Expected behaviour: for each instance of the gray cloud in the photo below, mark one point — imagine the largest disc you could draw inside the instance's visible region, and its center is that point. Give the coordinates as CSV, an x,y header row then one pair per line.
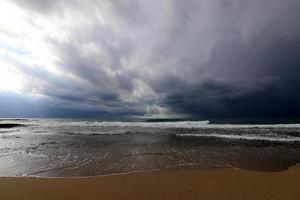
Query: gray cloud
x,y
45,6
217,58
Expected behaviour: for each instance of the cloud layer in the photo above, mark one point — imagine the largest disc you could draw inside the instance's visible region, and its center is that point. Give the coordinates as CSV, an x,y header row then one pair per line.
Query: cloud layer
x,y
216,58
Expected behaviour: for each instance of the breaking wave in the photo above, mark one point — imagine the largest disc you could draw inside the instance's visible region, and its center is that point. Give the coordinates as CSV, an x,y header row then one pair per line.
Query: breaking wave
x,y
244,137
178,124
251,132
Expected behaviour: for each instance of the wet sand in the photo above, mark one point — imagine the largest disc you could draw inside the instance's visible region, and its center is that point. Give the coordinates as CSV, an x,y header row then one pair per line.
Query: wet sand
x,y
186,184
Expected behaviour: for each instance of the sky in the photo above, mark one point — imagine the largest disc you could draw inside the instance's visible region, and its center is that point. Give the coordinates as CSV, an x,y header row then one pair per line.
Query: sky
x,y
150,58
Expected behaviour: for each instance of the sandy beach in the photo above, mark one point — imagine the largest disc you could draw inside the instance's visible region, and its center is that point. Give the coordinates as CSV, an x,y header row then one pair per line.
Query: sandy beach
x,y
186,184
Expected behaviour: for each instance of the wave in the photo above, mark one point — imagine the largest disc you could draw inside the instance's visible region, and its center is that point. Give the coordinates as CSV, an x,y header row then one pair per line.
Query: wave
x,y
244,137
205,124
180,124
260,132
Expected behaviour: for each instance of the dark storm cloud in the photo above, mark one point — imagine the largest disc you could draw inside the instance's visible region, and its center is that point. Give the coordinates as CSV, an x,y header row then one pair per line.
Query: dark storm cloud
x,y
216,58
254,83
245,74
265,98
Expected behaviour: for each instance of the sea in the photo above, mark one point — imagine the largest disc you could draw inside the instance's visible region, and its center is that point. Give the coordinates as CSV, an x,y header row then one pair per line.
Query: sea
x,y
93,147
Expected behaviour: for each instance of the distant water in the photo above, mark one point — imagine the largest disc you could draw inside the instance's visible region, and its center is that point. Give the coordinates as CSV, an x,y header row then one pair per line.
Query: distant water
x,y
68,147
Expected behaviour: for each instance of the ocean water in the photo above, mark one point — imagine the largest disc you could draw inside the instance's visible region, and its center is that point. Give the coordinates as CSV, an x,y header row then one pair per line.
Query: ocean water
x,y
69,147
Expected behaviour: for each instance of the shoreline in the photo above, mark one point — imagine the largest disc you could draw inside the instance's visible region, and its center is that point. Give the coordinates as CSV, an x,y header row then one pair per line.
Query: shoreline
x,y
223,183
152,171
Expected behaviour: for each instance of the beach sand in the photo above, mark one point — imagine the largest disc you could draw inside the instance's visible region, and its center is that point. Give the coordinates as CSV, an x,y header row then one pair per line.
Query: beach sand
x,y
186,184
